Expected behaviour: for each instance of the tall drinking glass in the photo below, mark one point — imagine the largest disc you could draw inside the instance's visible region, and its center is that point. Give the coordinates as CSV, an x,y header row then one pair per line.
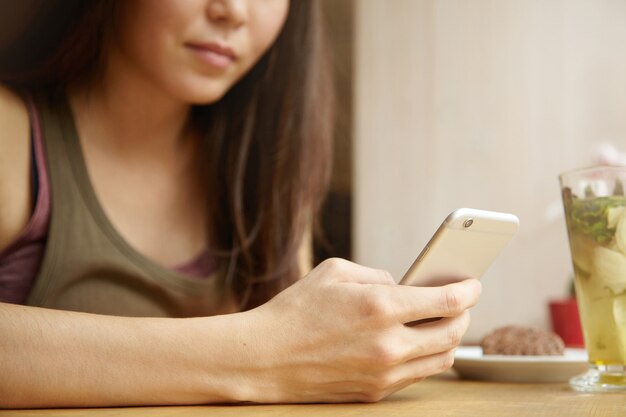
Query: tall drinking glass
x,y
595,209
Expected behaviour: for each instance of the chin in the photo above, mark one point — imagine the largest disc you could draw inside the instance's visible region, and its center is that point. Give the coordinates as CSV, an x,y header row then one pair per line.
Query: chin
x,y
205,99
203,93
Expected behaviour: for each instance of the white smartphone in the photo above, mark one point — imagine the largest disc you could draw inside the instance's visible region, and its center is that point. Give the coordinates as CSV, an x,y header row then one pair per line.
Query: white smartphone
x,y
464,246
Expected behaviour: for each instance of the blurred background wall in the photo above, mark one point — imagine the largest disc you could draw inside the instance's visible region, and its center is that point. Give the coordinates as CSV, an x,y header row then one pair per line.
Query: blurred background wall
x,y
481,104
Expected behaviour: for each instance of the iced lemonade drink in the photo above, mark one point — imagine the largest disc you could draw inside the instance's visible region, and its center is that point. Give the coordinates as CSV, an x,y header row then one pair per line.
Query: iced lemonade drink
x,y
595,210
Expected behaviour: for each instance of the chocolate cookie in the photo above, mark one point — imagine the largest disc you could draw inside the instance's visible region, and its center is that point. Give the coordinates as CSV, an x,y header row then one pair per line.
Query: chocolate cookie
x,y
520,340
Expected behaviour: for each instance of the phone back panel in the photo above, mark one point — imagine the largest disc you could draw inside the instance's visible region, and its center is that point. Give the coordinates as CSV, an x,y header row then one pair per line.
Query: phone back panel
x,y
459,251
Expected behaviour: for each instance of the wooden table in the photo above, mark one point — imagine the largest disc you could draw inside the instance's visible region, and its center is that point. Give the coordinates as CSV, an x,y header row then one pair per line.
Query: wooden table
x,y
438,397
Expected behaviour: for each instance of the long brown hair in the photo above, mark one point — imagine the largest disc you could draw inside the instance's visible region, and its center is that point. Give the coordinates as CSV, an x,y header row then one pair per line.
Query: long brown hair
x,y
267,142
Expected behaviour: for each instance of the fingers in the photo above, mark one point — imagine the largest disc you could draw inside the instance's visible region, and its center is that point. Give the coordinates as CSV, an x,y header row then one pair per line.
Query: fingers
x,y
404,344
376,394
423,367
405,303
435,337
415,303
428,350
386,383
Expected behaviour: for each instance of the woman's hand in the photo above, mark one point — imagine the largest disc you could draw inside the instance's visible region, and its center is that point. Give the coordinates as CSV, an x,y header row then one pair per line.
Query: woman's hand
x,y
340,335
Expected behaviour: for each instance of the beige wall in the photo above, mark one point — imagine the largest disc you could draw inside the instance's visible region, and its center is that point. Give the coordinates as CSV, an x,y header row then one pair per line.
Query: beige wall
x,y
481,104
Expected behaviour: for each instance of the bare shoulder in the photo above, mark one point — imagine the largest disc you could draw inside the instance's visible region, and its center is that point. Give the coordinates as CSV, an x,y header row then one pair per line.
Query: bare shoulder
x,y
13,121
15,200
11,104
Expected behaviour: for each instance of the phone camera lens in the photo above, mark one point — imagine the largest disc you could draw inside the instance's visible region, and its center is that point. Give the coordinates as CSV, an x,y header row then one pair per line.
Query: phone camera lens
x,y
468,222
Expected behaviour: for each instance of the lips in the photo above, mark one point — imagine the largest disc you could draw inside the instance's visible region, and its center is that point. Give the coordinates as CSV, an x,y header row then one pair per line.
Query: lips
x,y
213,54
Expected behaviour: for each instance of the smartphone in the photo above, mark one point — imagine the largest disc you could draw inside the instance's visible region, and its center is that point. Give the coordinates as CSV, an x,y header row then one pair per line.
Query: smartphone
x,y
464,246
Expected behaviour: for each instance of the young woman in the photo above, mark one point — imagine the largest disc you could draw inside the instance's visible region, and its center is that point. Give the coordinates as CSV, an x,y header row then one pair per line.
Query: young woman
x,y
161,164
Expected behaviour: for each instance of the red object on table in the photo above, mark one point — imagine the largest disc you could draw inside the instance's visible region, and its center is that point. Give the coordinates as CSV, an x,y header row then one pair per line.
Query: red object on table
x,y
566,321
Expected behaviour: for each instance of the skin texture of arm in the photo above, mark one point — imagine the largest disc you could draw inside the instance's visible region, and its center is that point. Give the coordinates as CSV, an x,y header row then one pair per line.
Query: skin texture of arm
x,y
57,358
354,347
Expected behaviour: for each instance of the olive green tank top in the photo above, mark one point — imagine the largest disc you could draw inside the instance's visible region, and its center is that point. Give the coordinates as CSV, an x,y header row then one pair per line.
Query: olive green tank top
x,y
87,265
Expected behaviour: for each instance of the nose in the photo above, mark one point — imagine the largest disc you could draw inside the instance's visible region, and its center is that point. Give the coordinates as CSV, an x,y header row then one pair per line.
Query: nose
x,y
233,12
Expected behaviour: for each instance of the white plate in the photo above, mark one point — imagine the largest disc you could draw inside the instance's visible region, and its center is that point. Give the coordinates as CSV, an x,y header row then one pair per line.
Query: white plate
x,y
470,363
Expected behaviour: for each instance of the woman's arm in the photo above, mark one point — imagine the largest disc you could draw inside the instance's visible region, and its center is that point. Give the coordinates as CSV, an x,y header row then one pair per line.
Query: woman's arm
x,y
336,335
52,358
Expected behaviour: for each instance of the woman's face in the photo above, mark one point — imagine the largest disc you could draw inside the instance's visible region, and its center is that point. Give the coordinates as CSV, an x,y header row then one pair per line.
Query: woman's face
x,y
196,50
